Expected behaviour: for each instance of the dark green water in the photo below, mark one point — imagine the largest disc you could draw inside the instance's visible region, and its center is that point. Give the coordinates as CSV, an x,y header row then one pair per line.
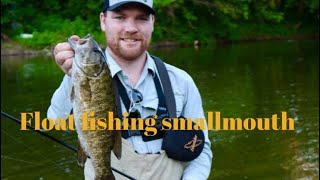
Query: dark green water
x,y
242,80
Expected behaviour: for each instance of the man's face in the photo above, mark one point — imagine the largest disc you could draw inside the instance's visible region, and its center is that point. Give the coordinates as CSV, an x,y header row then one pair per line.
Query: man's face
x,y
128,30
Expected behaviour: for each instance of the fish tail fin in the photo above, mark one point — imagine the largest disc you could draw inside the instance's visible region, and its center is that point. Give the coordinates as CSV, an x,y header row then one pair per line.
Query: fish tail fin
x,y
117,147
81,155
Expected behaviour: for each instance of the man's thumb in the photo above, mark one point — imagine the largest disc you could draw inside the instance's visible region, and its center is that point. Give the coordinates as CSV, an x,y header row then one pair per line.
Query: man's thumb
x,y
75,37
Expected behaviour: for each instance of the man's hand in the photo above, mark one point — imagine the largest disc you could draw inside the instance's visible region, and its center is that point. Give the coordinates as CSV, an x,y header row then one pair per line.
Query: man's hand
x,y
64,55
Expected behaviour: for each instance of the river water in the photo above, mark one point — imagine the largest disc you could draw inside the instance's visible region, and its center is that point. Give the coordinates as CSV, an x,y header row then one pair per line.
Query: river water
x,y
255,80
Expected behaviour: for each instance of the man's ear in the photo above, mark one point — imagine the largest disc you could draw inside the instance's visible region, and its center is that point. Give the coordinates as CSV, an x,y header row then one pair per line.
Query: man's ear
x,y
153,19
102,21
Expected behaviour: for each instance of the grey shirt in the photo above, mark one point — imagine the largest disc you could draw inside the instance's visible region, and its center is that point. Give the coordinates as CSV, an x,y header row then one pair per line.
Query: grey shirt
x,y
188,104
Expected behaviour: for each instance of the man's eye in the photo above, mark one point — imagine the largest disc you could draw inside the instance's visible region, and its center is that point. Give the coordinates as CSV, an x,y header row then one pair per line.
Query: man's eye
x,y
143,19
119,17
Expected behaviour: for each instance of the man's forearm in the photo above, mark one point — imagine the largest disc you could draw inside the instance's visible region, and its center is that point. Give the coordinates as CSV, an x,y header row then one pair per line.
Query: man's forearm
x,y
200,167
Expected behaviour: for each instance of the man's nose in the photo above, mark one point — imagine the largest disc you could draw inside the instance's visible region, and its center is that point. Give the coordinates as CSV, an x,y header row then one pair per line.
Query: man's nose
x,y
131,26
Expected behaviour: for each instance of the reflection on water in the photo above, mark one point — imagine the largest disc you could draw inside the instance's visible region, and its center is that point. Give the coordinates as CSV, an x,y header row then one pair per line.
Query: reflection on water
x,y
241,80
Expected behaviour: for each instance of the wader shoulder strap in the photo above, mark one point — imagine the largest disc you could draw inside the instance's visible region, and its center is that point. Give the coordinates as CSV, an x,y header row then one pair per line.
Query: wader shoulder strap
x,y
115,86
167,88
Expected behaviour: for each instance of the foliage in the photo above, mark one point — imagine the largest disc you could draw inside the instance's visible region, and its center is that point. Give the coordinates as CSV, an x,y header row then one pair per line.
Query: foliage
x,y
176,20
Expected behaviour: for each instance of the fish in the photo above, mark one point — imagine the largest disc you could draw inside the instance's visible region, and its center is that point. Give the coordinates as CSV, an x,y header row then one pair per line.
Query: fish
x,y
92,92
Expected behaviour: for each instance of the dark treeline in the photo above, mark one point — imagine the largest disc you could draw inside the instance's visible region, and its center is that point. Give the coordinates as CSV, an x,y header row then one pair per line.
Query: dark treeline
x,y
176,20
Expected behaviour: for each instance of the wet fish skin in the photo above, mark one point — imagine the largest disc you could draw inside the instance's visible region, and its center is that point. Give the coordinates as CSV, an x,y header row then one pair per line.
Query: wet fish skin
x,y
92,92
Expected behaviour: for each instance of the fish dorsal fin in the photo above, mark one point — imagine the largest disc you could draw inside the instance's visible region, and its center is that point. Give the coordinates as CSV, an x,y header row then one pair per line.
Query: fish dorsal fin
x,y
117,146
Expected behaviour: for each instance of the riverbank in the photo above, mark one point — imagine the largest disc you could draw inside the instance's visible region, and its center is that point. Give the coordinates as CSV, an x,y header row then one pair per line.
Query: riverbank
x,y
18,50
12,48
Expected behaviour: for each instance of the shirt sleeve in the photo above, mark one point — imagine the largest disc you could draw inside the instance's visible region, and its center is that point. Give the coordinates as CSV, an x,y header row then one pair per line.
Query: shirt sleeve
x,y
200,167
61,105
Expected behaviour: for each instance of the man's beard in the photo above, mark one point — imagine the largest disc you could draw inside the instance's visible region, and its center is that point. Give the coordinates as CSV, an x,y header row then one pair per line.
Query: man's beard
x,y
127,53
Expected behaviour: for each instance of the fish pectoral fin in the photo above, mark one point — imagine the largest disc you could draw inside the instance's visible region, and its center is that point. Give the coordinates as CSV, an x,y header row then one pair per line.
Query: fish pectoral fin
x,y
117,146
85,91
81,155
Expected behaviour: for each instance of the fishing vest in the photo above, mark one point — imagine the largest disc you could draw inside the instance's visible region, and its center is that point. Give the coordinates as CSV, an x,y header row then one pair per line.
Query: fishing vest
x,y
166,106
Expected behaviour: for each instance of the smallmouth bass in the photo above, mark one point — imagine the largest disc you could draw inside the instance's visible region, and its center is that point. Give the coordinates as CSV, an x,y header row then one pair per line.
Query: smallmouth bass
x,y
92,92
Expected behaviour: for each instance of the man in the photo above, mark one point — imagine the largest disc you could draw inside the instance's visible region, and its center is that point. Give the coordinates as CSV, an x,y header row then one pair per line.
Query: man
x,y
128,26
